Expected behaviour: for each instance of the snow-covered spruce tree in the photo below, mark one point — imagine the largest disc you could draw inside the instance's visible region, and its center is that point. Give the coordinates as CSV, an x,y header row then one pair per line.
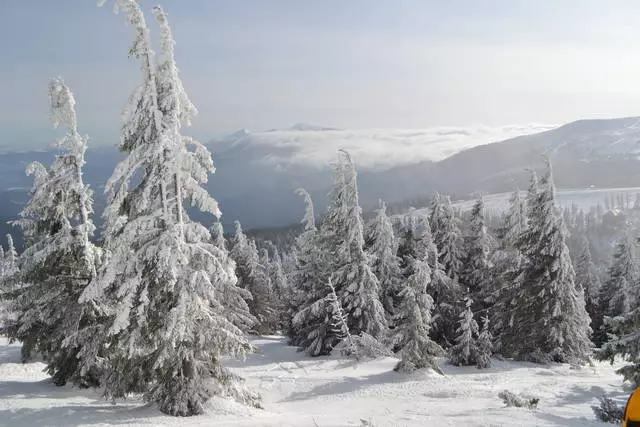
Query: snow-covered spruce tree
x,y
445,294
289,262
217,234
624,342
281,290
484,345
615,297
357,287
588,281
339,250
425,245
447,237
2,262
550,322
507,262
620,332
436,214
310,324
465,351
304,271
515,220
567,218
240,253
413,322
168,329
443,290
382,247
476,267
9,285
59,260
510,263
333,231
408,238
234,298
266,303
533,192
446,289
10,257
7,316
357,347
277,274
339,323
252,276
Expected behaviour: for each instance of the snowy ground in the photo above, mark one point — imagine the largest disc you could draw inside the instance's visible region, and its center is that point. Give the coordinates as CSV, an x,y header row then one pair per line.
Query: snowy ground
x,y
302,391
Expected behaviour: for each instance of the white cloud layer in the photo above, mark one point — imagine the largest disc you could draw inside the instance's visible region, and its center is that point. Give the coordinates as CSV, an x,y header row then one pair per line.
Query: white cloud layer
x,y
376,148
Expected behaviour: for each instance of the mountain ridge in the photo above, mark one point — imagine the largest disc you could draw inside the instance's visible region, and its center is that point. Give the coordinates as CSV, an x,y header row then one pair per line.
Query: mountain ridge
x,y
255,179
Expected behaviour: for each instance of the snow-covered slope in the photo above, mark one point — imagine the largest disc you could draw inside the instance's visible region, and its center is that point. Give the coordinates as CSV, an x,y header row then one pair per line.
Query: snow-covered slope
x,y
591,139
300,391
316,146
583,198
603,153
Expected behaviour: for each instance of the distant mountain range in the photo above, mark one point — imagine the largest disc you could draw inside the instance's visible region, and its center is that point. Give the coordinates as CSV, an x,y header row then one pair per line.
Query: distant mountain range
x,y
257,172
599,153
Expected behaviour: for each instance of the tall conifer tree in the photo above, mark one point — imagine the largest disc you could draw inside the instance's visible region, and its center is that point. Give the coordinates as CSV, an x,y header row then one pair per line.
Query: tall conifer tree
x,y
165,277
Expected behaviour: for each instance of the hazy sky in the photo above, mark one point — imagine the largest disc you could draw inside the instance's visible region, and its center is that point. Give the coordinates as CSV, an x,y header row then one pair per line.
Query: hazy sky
x,y
358,63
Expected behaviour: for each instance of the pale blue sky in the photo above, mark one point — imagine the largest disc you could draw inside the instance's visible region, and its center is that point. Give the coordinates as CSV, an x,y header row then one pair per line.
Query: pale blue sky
x,y
359,63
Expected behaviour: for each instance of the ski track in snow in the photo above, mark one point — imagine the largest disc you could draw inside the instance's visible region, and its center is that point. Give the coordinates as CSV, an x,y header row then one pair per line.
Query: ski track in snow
x,y
327,392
